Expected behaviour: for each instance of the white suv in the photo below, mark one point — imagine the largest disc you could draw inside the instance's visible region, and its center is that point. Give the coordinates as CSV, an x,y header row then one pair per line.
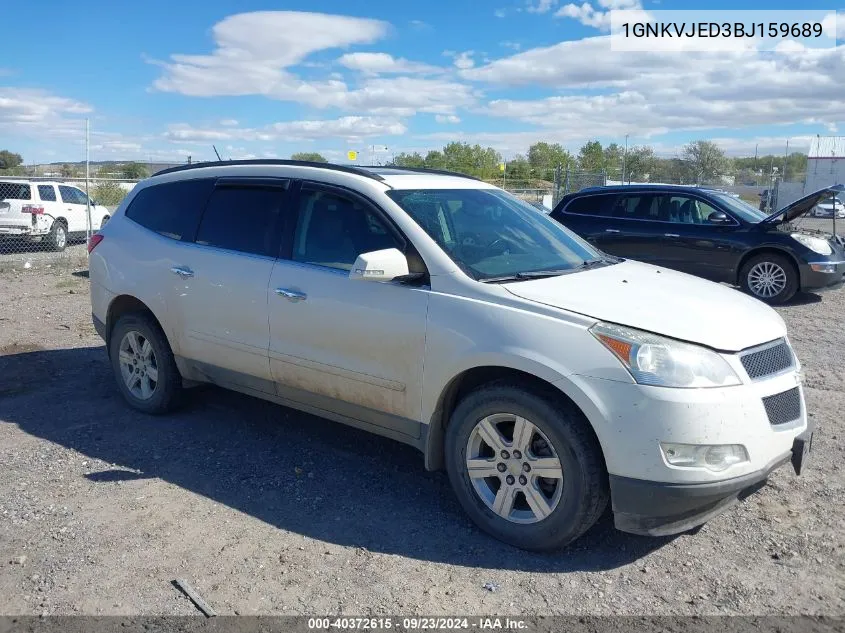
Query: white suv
x,y
52,211
546,376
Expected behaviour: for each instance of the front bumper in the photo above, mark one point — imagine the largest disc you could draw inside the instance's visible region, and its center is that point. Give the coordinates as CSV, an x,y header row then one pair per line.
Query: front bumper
x,y
818,281
659,509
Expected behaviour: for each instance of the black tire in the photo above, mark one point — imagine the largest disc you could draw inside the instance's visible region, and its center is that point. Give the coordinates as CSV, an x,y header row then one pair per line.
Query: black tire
x,y
783,263
58,237
585,487
168,389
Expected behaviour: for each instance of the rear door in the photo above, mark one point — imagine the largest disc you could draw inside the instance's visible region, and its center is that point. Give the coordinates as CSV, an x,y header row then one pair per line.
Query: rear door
x,y
633,230
219,281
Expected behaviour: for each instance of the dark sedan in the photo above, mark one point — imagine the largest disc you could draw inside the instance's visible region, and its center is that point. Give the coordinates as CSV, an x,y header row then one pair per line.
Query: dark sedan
x,y
710,234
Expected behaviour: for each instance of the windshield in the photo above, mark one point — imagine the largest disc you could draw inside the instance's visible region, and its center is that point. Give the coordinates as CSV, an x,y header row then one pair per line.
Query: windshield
x,y
741,208
491,234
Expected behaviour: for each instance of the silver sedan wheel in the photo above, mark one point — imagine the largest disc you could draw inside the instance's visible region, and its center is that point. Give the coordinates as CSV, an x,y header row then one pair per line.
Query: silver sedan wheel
x,y
138,365
514,468
767,279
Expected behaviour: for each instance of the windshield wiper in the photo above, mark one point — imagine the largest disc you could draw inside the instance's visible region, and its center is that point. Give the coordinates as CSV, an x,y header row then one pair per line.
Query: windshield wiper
x,y
522,276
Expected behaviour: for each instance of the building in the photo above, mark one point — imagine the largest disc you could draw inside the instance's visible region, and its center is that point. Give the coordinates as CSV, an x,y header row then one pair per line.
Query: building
x,y
825,163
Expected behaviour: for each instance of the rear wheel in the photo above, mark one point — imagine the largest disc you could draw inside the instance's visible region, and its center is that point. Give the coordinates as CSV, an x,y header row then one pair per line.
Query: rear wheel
x,y
143,364
526,469
770,277
57,238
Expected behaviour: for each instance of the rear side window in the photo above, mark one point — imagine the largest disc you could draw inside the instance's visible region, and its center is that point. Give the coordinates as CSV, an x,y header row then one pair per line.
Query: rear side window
x,y
171,209
245,218
590,205
15,191
47,193
637,207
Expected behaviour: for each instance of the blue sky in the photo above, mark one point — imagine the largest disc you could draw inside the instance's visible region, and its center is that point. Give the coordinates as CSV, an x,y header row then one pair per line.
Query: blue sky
x,y
164,80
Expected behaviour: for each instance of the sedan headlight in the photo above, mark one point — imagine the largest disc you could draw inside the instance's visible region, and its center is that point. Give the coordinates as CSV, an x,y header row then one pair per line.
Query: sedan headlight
x,y
815,244
660,361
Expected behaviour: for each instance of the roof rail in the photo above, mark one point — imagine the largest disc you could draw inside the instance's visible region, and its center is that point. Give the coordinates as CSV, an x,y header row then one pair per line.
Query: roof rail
x,y
422,170
267,161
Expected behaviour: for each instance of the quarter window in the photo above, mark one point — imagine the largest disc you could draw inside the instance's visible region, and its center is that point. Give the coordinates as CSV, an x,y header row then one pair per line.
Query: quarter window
x,y
171,209
333,229
245,218
47,193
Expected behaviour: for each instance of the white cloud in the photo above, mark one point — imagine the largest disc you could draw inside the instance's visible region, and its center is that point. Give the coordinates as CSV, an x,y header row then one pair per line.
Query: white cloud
x,y
514,46
42,115
447,118
542,6
229,122
255,53
383,63
347,128
599,18
464,60
500,13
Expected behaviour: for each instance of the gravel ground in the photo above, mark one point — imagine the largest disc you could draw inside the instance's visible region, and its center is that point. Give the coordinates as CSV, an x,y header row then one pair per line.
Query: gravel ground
x,y
267,510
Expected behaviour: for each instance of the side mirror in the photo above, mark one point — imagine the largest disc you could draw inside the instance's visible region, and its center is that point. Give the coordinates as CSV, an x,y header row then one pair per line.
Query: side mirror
x,y
717,217
384,265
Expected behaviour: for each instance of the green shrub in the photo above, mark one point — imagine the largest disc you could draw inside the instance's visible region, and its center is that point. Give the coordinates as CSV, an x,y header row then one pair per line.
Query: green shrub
x,y
109,194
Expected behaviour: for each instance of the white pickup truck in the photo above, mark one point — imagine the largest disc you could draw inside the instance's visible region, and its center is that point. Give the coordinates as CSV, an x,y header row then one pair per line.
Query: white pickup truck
x,y
49,211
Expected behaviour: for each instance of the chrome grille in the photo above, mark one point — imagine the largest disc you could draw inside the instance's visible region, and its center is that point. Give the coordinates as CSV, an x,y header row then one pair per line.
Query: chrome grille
x,y
768,359
784,407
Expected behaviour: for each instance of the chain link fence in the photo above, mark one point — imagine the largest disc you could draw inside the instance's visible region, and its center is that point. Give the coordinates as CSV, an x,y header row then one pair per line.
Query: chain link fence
x,y
46,222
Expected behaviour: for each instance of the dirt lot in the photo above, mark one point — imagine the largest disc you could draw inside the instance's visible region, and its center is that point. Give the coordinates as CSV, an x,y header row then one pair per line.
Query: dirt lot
x,y
266,510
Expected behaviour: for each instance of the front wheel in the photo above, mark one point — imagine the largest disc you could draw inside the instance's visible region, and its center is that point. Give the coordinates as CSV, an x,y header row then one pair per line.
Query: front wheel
x,y
527,470
770,277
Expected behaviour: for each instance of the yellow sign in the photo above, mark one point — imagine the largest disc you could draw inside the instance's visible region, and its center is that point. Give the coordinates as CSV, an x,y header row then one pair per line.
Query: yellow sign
x,y
352,155
501,167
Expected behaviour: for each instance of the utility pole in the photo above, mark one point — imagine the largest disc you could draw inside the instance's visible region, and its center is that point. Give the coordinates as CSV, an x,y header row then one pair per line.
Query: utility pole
x,y
87,174
785,158
624,156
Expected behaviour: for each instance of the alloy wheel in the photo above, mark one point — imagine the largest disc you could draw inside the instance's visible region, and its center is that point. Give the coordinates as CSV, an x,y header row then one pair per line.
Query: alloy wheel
x,y
767,279
138,365
513,468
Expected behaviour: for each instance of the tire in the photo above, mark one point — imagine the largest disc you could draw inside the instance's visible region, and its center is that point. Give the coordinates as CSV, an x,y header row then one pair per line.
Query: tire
x,y
57,238
770,277
583,486
147,395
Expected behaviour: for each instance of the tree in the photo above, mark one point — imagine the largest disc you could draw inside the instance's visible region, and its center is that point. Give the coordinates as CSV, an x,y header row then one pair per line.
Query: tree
x,y
544,158
409,160
613,159
518,168
109,194
8,160
639,164
66,170
134,171
706,161
591,157
312,157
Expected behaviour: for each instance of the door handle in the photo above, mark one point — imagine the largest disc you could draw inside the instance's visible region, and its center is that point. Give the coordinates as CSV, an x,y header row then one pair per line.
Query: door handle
x,y
182,271
291,295
611,230
671,235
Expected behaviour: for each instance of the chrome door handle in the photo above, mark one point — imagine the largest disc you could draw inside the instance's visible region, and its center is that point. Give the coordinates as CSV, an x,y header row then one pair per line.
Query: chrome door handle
x,y
291,295
182,271
611,230
671,235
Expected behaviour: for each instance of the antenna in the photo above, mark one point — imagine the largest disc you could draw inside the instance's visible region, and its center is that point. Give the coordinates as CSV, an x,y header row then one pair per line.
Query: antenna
x,y
218,154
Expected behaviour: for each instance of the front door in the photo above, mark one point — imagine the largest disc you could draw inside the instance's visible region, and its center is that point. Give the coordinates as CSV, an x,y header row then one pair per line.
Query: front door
x,y
351,347
74,208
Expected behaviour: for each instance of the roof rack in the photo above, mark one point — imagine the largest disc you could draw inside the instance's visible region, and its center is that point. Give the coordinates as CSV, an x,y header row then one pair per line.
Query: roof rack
x,y
422,170
258,161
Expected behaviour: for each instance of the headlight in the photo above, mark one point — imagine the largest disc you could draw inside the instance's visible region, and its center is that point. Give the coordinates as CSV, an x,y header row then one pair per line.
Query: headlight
x,y
815,244
655,360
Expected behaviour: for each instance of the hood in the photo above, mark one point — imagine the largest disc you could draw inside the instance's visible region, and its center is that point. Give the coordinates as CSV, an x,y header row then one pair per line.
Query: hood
x,y
662,301
798,208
